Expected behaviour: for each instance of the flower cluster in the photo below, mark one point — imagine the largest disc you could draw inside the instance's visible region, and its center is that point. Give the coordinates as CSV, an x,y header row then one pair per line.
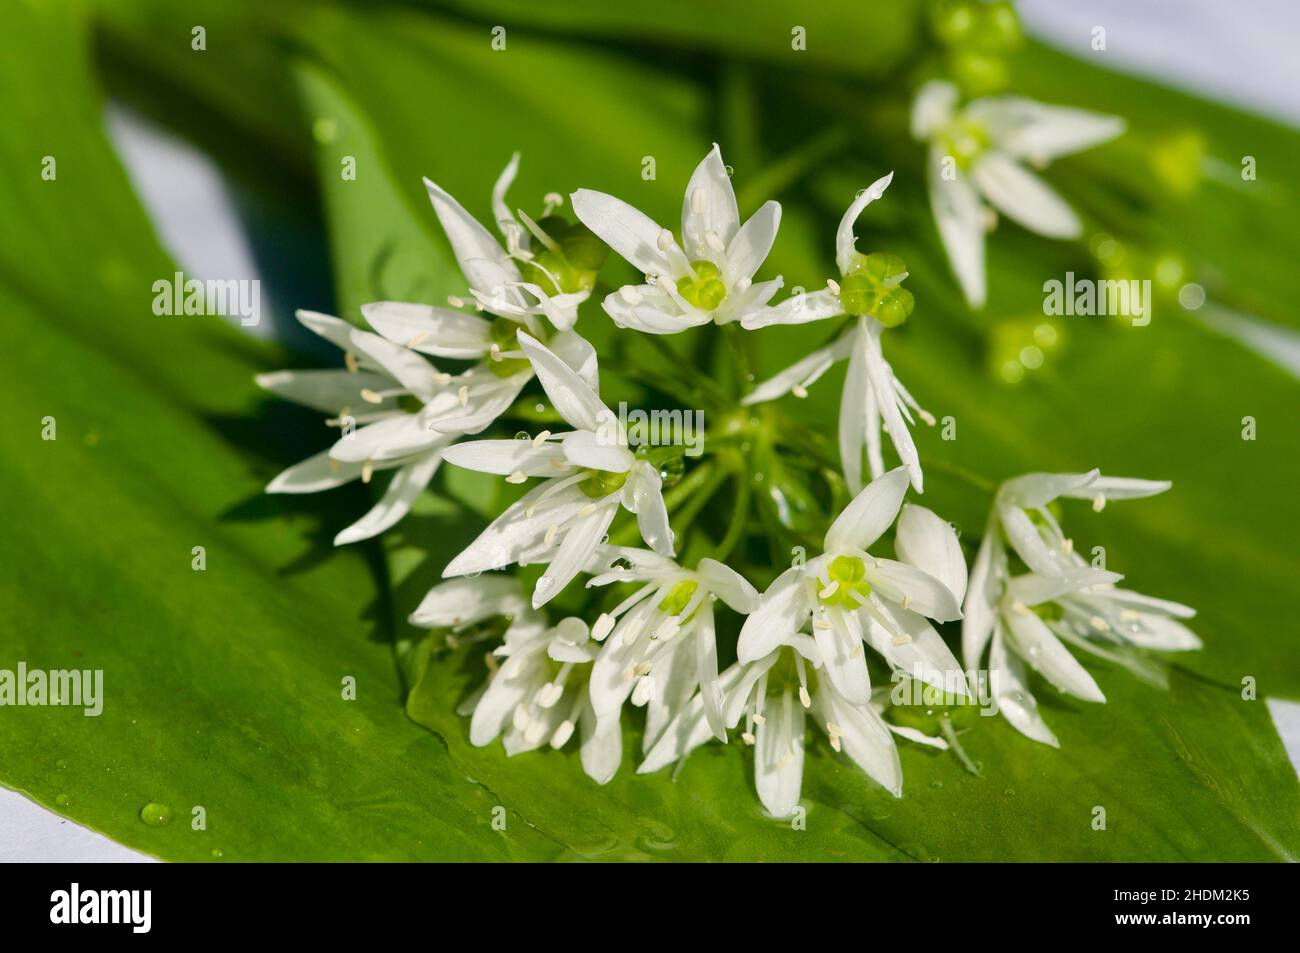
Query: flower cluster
x,y
645,626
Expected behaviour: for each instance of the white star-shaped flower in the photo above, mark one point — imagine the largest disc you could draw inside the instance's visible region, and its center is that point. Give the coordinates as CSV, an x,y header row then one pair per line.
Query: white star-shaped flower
x,y
852,597
870,289
588,473
977,159
660,643
371,395
706,276
1032,617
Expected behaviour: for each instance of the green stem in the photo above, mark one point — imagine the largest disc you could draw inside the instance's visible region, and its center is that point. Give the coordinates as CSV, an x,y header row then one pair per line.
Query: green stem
x,y
983,484
739,517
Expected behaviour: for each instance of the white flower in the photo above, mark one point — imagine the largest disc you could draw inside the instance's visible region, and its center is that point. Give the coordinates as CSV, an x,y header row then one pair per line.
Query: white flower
x,y
589,473
369,395
853,597
660,643
499,289
869,289
708,275
976,156
538,696
772,694
1030,617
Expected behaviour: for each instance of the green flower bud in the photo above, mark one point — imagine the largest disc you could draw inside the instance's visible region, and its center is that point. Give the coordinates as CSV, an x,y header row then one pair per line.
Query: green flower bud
x,y
706,289
871,287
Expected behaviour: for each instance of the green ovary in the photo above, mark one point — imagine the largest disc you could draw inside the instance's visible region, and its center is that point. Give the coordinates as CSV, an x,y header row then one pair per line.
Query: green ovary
x,y
872,287
706,290
601,483
505,335
573,267
965,140
851,574
679,597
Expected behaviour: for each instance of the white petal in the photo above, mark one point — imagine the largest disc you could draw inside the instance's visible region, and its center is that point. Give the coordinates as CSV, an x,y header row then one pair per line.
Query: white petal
x,y
1036,644
610,683
429,330
1032,490
844,237
469,601
1119,488
655,311
747,251
736,695
739,305
933,108
602,746
778,756
1024,197
647,502
864,737
335,330
781,612
515,531
923,654
1017,705
1031,130
882,384
856,399
801,308
930,544
580,541
1136,600
630,232
388,439
706,669
576,351
1028,543
1162,634
507,457
709,204
405,366
728,585
497,705
406,485
582,448
486,402
318,472
1033,589
329,391
979,612
574,398
500,209
869,513
843,655
482,260
688,729
959,217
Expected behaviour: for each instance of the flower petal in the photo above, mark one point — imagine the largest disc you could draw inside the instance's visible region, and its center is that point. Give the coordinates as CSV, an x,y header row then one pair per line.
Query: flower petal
x,y
1024,197
802,372
506,457
1017,705
856,399
580,541
629,231
747,251
518,529
574,399
406,485
728,585
482,260
933,108
601,751
911,645
843,657
979,611
801,308
1033,641
647,502
709,205
863,737
329,391
439,331
468,601
844,237
869,513
930,544
781,612
778,756
959,216
318,472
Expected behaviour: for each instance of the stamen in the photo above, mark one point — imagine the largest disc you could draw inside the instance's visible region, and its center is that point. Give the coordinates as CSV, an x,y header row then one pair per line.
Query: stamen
x,y
833,285
699,201
456,301
629,294
715,243
350,362
1098,503
519,476
550,533
370,397
799,391
903,639
665,241
417,339
462,395
367,471
604,625
541,438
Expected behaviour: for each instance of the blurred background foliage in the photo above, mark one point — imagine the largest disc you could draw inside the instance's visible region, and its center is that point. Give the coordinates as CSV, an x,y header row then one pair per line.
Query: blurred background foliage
x,y
223,686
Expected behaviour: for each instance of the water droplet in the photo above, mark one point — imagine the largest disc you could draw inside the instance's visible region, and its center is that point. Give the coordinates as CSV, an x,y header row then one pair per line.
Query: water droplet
x,y
63,800
936,784
61,764
155,815
523,435
1010,792
216,852
730,171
